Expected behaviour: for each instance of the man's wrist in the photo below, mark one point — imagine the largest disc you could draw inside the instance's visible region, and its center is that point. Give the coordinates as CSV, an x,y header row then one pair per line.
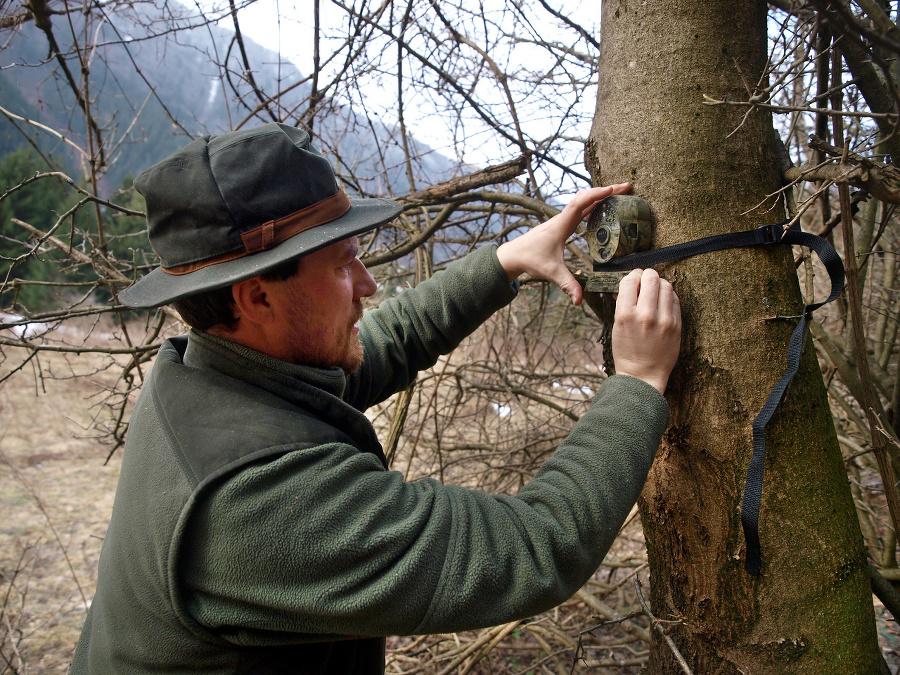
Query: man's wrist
x,y
506,256
658,383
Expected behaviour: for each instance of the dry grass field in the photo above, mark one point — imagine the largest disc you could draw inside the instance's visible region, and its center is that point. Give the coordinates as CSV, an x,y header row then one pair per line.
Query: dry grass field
x,y
56,495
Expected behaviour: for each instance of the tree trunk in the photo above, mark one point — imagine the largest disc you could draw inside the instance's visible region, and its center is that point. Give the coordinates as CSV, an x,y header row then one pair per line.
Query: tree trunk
x,y
704,170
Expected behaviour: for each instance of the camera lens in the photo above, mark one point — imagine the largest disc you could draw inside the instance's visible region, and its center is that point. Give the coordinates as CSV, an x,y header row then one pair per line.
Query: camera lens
x,y
602,236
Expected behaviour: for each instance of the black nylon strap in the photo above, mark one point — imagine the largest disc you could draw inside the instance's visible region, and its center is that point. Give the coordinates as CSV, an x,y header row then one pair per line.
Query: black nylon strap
x,y
761,236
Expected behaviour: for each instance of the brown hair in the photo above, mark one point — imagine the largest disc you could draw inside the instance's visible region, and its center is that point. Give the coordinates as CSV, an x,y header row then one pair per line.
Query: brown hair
x,y
202,311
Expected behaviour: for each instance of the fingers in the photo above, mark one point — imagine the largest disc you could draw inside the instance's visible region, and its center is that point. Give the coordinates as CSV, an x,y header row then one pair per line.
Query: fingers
x,y
646,292
648,296
647,331
628,291
580,207
668,305
586,200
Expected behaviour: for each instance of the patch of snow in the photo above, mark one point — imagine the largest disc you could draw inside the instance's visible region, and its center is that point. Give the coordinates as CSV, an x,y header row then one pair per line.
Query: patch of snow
x,y
24,330
502,410
584,389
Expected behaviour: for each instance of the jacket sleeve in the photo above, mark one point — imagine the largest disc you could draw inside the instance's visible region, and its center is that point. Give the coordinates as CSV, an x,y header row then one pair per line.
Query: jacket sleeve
x,y
325,542
407,333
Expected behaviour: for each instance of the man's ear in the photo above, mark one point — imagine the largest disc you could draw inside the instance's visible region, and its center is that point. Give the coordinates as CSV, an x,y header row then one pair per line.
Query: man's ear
x,y
250,298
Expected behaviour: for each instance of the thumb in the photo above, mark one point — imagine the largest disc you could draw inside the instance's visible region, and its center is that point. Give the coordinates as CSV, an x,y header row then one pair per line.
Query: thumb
x,y
568,284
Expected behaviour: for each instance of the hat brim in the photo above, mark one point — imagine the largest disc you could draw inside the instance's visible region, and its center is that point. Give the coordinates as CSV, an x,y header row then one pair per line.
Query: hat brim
x,y
159,288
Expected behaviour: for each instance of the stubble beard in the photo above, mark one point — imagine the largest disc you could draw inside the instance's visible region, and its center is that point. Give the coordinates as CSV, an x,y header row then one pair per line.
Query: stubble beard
x,y
312,347
353,356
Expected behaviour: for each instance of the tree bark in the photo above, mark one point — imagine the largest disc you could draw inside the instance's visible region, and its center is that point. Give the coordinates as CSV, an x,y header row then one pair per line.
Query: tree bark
x,y
704,170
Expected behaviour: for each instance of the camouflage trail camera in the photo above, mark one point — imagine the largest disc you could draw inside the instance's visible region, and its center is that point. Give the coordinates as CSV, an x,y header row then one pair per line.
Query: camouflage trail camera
x,y
618,226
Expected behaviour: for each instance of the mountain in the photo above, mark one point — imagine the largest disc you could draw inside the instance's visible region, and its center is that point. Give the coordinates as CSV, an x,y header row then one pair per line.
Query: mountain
x,y
171,83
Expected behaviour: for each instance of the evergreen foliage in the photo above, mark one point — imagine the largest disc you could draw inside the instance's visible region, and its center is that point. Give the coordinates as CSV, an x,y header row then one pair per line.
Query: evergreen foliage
x,y
45,203
40,204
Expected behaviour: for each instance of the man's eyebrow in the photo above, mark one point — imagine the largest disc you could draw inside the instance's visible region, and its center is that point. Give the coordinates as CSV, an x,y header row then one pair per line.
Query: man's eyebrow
x,y
351,246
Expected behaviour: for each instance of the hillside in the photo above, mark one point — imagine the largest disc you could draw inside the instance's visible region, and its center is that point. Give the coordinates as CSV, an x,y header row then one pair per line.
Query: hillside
x,y
153,88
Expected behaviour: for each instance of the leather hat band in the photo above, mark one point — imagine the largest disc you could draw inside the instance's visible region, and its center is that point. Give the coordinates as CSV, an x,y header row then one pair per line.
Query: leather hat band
x,y
274,232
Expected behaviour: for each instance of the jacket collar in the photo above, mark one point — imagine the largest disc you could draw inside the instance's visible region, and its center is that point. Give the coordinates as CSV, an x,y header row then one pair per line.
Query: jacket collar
x,y
205,350
317,390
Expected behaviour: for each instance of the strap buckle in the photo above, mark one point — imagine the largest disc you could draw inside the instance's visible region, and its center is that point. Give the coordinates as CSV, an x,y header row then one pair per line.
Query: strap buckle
x,y
771,233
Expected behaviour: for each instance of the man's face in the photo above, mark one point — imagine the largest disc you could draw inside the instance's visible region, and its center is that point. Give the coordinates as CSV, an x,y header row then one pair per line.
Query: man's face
x,y
321,305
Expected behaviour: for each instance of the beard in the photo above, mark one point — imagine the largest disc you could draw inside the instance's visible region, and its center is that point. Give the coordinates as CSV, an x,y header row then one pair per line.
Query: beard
x,y
317,339
352,357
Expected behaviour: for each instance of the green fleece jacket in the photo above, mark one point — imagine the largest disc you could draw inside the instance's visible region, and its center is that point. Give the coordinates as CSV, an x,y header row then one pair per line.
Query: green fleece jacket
x,y
256,528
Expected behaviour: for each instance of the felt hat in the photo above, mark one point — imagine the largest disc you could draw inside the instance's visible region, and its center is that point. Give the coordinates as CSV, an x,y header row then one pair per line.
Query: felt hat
x,y
229,207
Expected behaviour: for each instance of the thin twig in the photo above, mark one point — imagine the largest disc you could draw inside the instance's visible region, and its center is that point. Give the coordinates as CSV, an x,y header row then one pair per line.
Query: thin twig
x,y
657,624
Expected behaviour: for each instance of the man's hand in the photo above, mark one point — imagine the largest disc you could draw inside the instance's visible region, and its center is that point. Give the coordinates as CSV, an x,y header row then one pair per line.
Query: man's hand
x,y
646,335
539,252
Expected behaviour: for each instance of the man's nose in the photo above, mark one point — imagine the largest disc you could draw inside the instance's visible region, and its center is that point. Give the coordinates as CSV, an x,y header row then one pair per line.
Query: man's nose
x,y
363,283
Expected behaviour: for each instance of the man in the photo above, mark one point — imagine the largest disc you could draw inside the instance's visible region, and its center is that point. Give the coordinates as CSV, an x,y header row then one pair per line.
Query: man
x,y
256,527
